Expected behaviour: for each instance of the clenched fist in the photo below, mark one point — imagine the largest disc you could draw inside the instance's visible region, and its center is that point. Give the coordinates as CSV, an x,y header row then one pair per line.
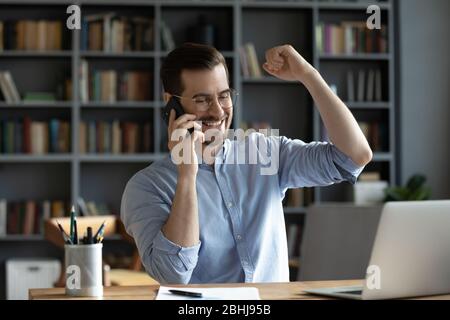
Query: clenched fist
x,y
285,63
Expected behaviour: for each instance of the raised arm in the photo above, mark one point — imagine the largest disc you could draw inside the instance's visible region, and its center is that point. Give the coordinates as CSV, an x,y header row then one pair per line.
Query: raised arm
x,y
285,63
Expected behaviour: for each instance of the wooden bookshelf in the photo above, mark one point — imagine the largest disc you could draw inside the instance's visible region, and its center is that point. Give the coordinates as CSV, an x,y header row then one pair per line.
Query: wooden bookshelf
x,y
287,105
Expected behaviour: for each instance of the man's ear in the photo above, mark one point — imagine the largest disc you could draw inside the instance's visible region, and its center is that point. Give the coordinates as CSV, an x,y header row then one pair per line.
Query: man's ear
x,y
166,97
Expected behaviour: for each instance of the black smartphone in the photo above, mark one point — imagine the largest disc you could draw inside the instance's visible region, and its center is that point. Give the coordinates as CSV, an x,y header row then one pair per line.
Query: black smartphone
x,y
174,103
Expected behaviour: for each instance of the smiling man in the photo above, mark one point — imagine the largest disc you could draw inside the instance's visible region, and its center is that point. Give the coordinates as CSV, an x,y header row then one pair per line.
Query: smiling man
x,y
218,222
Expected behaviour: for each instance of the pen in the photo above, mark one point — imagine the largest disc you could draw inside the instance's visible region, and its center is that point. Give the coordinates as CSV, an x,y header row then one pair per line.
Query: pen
x,y
64,234
89,236
186,293
72,225
75,233
100,232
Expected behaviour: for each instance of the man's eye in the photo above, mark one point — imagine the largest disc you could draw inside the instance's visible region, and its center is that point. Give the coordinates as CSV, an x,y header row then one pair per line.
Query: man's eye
x,y
224,95
200,100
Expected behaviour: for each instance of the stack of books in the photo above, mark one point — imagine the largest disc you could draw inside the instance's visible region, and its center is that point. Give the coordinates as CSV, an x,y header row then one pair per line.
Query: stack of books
x,y
376,134
93,208
249,61
364,86
110,32
297,198
350,37
27,217
115,137
40,35
111,86
34,137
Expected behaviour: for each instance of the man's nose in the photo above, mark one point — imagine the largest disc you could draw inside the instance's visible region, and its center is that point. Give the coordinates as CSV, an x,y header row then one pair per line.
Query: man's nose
x,y
216,109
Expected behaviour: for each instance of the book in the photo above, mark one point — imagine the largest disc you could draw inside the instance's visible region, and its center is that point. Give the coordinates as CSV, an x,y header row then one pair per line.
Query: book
x,y
168,42
295,198
8,87
3,213
1,36
4,88
255,70
292,238
369,176
361,85
370,85
82,135
378,86
350,86
39,96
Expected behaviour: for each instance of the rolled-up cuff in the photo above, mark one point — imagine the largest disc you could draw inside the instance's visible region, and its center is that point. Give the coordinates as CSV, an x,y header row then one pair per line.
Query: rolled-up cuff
x,y
188,256
346,167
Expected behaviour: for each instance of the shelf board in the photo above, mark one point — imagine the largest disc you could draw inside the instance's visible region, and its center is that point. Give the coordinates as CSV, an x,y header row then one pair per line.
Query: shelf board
x,y
226,54
101,158
123,104
36,54
368,105
190,3
37,104
266,80
128,54
35,158
356,56
350,5
294,210
22,237
277,4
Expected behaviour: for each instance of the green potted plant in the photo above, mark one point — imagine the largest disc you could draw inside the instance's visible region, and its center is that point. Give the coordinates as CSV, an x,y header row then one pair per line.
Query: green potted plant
x,y
414,190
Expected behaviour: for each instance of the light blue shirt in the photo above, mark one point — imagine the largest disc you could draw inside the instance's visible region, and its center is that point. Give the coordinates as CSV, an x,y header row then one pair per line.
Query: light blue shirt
x,y
242,227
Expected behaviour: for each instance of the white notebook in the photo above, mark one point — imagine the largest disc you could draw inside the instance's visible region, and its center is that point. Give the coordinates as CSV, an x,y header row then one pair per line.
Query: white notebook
x,y
238,293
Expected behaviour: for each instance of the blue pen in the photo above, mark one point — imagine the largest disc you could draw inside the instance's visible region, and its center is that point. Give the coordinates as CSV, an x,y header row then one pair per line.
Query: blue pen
x,y
100,232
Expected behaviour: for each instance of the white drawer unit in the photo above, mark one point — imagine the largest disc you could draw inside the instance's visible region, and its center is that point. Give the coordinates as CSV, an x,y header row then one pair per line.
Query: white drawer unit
x,y
24,274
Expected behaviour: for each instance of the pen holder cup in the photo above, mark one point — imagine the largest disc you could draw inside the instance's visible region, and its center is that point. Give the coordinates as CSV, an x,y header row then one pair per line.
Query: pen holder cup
x,y
84,270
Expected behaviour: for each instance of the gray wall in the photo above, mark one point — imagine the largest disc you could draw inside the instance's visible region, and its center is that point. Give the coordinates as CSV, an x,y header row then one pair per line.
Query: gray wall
x,y
425,92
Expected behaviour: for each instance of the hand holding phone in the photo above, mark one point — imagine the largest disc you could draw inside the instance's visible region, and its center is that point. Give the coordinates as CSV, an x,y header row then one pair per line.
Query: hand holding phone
x,y
174,103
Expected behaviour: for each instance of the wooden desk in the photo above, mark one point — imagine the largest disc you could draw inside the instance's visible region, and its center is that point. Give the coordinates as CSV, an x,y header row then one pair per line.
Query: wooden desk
x,y
267,291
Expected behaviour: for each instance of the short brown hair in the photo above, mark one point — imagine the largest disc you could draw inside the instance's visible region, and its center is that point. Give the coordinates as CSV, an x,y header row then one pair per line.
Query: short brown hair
x,y
191,56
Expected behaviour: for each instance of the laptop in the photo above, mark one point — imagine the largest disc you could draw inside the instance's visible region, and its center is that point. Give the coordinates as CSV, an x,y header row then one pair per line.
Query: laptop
x,y
410,255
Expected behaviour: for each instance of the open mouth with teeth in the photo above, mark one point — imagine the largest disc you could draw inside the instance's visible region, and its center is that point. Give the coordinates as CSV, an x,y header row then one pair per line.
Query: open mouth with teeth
x,y
213,124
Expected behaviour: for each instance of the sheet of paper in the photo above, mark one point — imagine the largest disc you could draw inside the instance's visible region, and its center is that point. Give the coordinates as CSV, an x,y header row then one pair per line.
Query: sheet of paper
x,y
238,293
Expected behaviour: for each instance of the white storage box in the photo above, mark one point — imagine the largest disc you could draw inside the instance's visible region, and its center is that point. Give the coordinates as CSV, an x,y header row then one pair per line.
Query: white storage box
x,y
369,192
22,275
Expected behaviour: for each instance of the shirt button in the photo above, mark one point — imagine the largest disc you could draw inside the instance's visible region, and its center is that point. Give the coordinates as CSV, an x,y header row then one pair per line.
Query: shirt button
x,y
238,237
230,204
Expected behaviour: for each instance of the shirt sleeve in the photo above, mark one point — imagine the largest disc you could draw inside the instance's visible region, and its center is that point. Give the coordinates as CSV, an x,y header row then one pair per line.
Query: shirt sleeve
x,y
313,164
144,210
